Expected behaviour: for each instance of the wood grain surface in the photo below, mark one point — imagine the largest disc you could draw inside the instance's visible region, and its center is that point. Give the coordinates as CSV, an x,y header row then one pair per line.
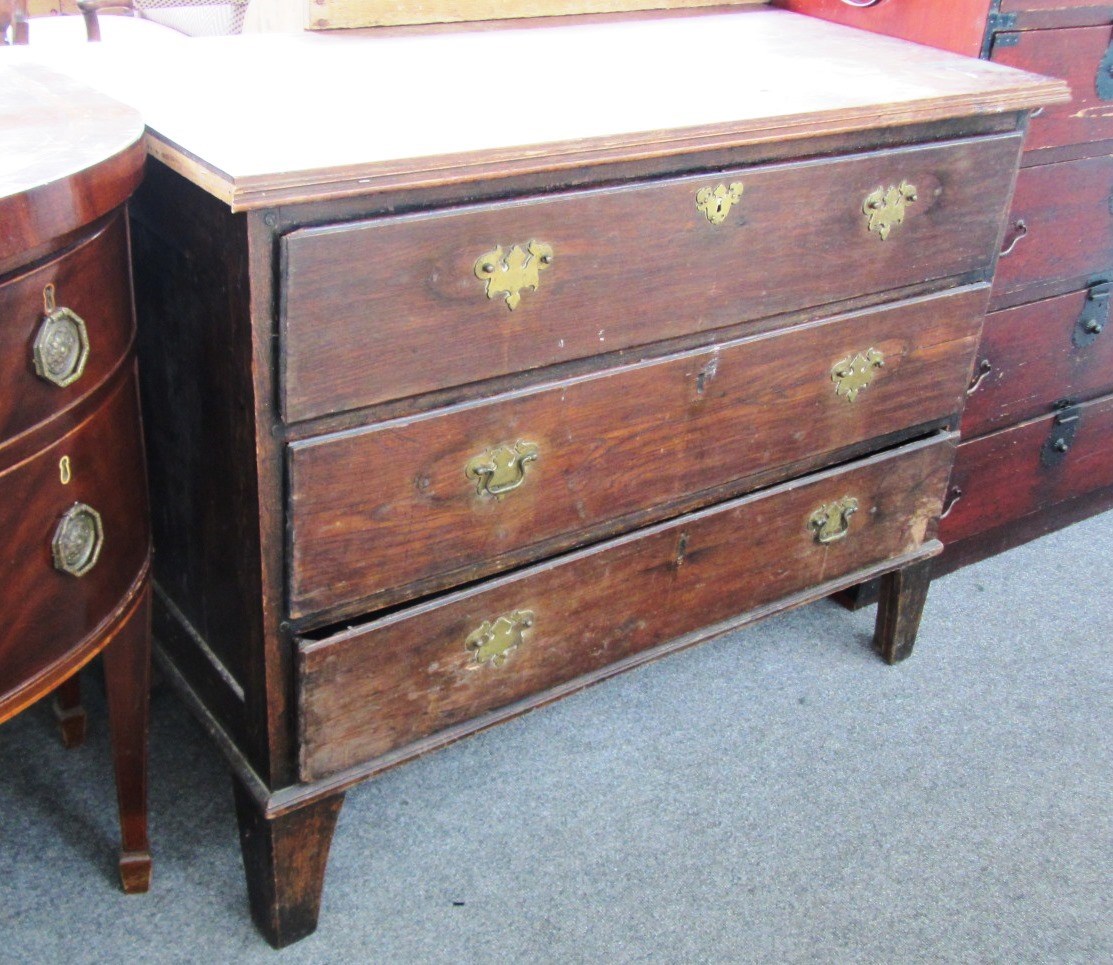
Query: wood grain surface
x,y
631,441
392,307
373,689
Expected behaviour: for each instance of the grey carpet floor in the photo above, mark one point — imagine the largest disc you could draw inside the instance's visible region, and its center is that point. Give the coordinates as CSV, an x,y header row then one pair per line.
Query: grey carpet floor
x,y
775,795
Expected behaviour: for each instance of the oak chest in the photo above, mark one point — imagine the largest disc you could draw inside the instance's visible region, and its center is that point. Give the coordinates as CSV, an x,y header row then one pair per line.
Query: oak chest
x,y
444,427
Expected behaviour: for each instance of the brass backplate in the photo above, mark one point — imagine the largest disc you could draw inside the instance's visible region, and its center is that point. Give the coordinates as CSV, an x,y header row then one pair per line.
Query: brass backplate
x,y
78,539
502,469
494,640
715,203
831,522
509,273
853,373
885,207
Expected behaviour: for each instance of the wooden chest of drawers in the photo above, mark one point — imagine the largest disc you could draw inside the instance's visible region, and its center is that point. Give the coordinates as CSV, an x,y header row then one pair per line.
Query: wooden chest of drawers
x,y
1052,280
75,544
442,429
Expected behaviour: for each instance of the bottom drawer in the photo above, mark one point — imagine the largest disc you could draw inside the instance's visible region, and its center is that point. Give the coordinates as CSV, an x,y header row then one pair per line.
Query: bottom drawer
x,y
371,690
1020,470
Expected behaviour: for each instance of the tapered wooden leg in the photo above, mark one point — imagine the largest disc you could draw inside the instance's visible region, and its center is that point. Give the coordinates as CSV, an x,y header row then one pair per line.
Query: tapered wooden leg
x,y
900,604
284,858
127,681
69,713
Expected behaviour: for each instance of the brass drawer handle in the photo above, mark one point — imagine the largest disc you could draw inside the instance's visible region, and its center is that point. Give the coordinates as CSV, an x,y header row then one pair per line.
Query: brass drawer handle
x,y
885,207
61,346
502,469
831,522
78,540
494,640
509,273
855,372
715,203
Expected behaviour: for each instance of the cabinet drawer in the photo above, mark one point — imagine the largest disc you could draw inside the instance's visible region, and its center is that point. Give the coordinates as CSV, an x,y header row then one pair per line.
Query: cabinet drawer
x,y
1009,474
102,469
374,689
576,456
1036,354
92,282
1060,225
397,306
1077,55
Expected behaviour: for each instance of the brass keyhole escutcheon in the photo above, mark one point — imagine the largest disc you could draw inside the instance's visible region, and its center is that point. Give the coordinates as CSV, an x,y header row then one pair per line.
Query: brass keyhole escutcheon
x,y
831,523
78,540
65,471
61,347
885,207
502,469
853,373
509,273
494,640
715,203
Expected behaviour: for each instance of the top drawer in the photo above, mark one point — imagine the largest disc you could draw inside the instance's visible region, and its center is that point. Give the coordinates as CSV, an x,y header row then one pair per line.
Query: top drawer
x,y
393,307
50,360
1080,55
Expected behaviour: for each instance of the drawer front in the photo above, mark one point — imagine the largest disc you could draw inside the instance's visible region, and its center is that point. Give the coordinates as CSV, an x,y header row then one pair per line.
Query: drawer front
x,y
378,688
1036,354
48,611
484,487
1060,225
1077,55
1009,474
398,306
74,356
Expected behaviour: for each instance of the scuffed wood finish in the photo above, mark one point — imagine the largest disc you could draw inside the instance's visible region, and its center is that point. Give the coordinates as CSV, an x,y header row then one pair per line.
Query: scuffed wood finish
x,y
901,598
332,14
1030,360
1076,56
285,857
58,612
80,159
641,89
371,690
1000,477
353,338
360,500
1060,227
92,281
958,27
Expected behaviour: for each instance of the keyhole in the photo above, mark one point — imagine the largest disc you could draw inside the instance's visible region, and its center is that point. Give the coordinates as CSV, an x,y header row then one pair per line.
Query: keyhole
x,y
64,472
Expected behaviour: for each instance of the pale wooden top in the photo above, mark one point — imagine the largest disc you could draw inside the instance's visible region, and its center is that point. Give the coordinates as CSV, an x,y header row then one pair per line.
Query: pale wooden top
x,y
52,127
269,119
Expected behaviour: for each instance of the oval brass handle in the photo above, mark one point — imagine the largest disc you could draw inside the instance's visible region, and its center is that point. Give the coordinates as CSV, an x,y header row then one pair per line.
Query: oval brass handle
x,y
831,522
715,203
78,540
509,273
494,640
885,207
61,346
502,469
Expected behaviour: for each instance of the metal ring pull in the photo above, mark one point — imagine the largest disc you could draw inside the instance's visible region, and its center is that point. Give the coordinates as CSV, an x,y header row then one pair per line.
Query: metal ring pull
x,y
861,3
831,523
984,368
61,347
78,540
1021,229
502,469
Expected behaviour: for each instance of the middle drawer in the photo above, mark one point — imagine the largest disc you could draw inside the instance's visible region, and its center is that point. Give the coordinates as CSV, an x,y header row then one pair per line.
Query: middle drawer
x,y
485,486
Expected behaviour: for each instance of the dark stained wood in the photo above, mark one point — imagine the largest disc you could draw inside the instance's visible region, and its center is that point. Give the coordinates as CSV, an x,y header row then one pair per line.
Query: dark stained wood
x,y
901,598
1074,55
69,713
56,610
92,281
1028,361
415,318
1001,477
958,27
368,691
359,501
1060,226
285,857
127,682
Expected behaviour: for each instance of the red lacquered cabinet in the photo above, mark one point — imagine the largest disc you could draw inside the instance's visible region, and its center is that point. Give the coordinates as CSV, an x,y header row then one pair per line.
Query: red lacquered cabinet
x,y
75,543
1045,360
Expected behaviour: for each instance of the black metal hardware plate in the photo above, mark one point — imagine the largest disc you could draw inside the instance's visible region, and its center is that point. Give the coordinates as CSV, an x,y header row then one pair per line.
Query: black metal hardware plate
x,y
1094,316
1062,434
